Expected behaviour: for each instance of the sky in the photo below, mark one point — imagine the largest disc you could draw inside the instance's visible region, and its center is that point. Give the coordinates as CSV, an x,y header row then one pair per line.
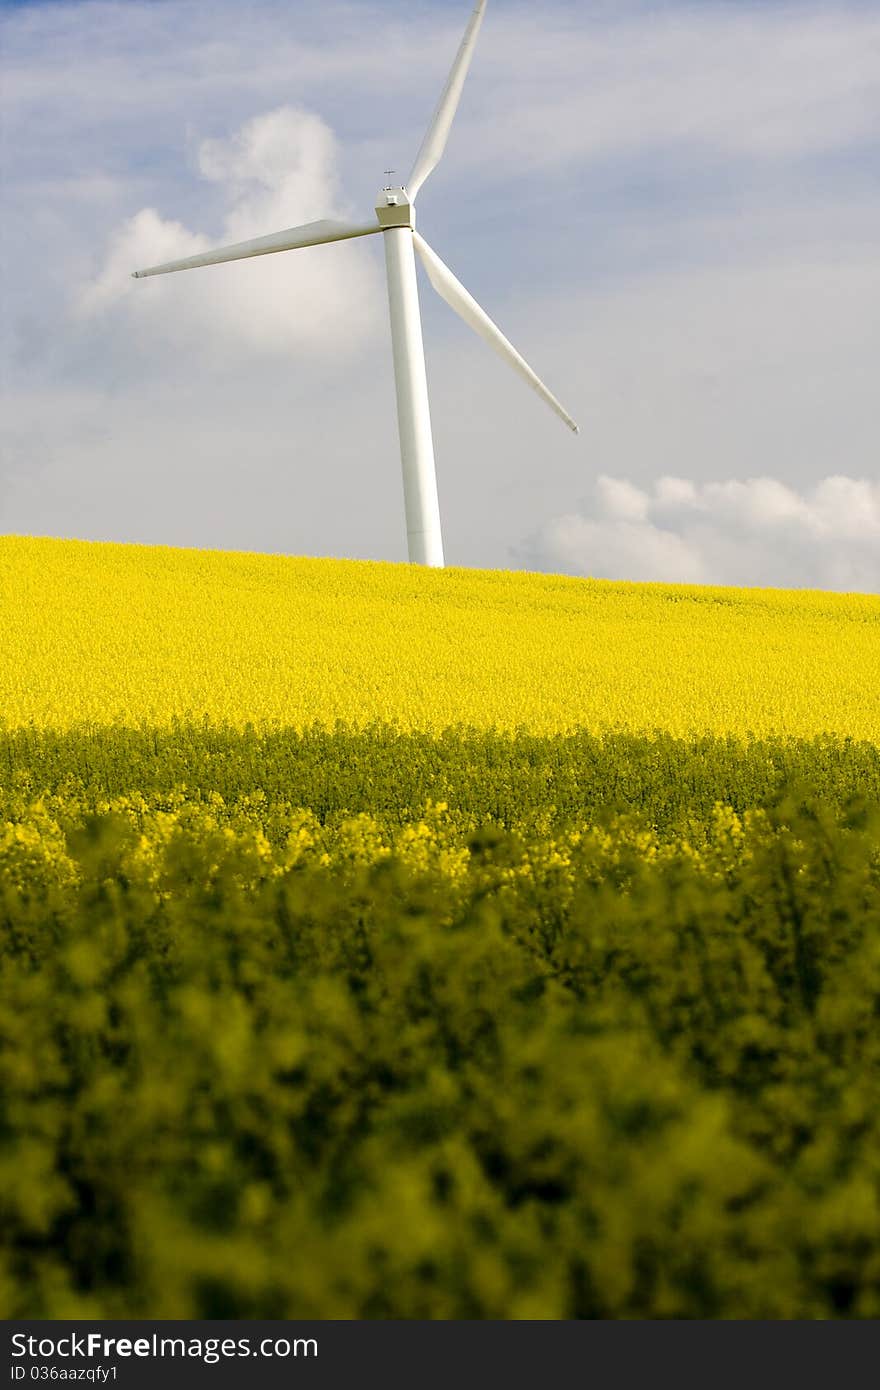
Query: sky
x,y
672,210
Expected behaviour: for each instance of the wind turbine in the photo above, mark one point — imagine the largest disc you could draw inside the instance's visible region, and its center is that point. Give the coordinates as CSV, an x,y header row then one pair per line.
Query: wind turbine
x,y
395,219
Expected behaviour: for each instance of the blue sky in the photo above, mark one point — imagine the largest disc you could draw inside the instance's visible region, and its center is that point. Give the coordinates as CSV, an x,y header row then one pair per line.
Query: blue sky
x,y
673,211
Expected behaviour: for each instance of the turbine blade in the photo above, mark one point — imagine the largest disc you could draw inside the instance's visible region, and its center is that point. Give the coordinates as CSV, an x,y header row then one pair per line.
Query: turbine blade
x,y
312,234
434,142
466,306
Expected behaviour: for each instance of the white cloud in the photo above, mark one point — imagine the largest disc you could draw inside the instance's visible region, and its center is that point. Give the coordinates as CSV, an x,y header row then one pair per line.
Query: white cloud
x,y
608,548
275,172
621,500
755,531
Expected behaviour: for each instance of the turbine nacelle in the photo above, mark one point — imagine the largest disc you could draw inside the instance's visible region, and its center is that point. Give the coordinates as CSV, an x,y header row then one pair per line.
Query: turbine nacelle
x,y
395,208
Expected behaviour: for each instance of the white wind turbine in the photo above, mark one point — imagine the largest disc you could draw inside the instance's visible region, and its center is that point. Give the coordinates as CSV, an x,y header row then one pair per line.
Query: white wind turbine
x,y
395,219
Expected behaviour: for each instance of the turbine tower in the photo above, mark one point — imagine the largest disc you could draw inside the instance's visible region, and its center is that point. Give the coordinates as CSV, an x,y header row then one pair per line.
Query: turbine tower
x,y
395,219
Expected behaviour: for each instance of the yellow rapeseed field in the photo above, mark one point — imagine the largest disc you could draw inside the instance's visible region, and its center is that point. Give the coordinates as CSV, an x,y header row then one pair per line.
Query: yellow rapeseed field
x,y
104,633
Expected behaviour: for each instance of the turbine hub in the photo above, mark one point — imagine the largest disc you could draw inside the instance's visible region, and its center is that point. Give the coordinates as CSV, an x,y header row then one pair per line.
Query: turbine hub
x,y
394,209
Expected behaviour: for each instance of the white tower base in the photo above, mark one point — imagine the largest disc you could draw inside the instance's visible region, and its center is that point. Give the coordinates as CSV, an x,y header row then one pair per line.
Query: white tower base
x,y
424,540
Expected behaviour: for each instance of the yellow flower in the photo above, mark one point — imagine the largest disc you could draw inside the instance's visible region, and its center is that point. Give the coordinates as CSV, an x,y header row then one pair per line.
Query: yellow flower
x,y
130,634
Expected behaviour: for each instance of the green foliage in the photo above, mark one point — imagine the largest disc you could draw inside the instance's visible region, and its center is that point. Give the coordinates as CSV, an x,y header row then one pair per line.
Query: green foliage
x,y
518,779
286,1046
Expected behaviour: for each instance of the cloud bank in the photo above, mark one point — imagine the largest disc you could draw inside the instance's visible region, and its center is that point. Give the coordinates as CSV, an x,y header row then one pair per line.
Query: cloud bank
x,y
272,173
751,532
